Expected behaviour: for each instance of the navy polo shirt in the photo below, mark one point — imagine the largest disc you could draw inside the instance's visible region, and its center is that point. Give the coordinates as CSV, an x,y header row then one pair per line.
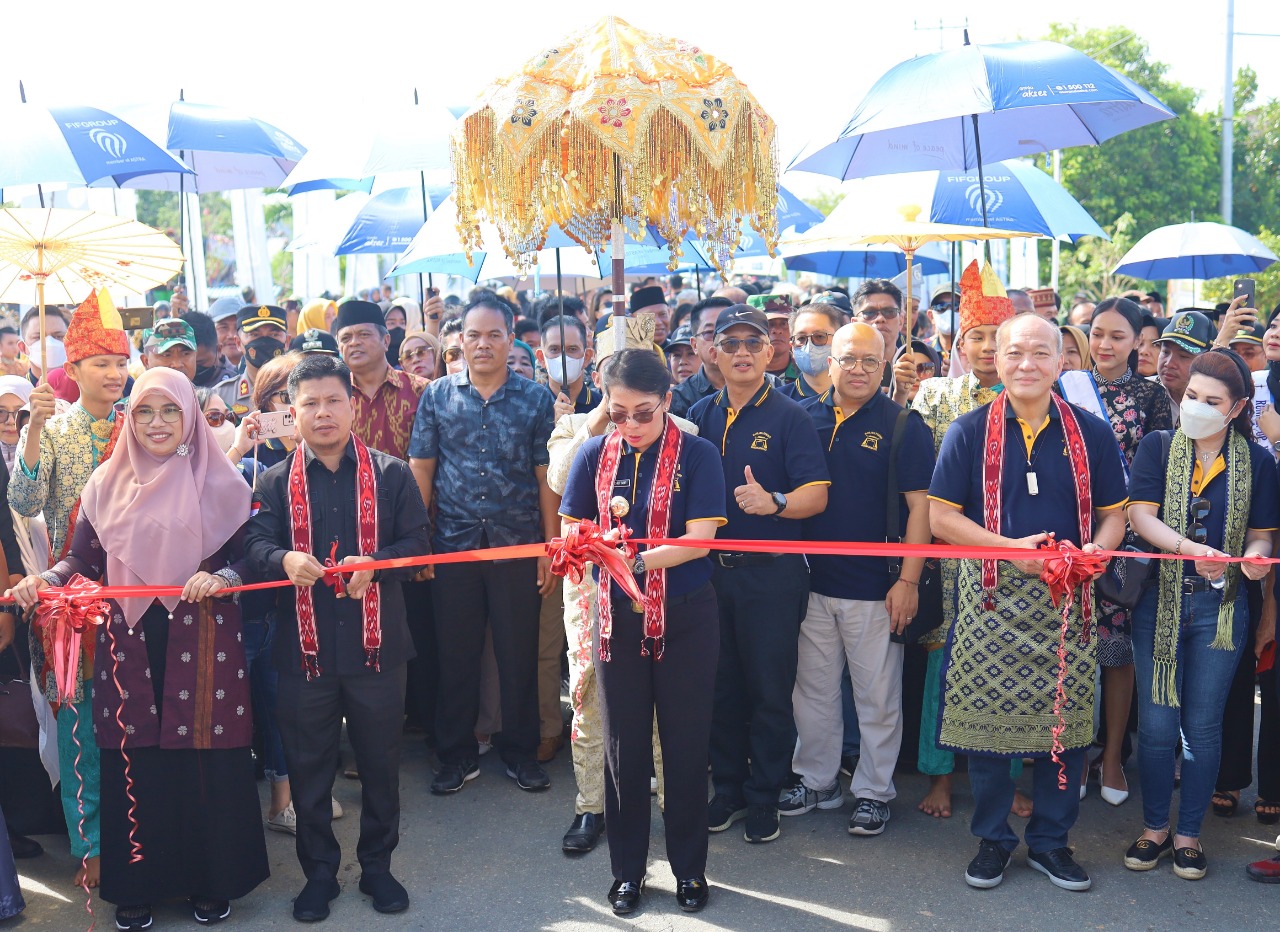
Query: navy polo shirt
x,y
800,390
857,449
773,436
1146,486
957,480
698,495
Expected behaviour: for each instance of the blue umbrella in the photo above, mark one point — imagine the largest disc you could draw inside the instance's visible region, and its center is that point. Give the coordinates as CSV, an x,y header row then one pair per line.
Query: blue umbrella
x,y
1017,98
1196,250
388,221
75,145
866,261
793,213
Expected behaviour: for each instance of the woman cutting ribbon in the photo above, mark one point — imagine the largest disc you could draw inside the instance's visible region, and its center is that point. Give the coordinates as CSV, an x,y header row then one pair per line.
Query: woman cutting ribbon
x,y
171,710
658,653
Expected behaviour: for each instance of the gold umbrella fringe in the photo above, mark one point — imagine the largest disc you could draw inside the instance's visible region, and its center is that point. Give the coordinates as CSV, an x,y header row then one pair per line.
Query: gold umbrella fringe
x,y
568,174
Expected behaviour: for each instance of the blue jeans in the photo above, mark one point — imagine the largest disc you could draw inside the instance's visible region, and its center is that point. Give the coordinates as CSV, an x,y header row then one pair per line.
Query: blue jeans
x,y
1055,809
259,637
1203,679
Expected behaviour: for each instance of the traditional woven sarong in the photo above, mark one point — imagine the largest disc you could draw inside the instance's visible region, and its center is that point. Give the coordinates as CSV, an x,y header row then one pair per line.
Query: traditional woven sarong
x,y
1001,670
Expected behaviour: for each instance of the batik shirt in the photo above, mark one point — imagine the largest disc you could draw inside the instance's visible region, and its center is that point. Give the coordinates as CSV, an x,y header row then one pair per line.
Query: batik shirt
x,y
385,421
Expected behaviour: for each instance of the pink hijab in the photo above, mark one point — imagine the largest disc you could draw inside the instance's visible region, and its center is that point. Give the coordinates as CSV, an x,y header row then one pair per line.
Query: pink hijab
x,y
159,518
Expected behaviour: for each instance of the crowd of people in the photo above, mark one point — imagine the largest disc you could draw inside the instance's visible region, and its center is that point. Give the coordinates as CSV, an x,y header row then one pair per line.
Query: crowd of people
x,y
279,443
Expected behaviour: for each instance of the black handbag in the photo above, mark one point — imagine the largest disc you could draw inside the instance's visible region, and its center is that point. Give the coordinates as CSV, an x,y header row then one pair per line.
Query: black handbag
x,y
1127,579
929,590
18,725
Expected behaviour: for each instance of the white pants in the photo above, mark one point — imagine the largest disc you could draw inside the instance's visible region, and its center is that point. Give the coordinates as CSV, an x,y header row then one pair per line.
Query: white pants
x,y
833,631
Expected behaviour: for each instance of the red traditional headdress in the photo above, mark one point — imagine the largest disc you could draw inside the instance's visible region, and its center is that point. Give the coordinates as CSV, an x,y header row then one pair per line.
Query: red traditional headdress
x,y
96,329
982,298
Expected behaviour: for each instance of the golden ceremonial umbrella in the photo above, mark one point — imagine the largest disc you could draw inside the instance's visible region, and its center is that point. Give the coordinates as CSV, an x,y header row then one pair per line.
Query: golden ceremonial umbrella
x,y
898,227
609,130
60,255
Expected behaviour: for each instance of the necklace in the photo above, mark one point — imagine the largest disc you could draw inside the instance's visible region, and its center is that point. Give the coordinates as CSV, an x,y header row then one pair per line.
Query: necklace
x,y
1206,459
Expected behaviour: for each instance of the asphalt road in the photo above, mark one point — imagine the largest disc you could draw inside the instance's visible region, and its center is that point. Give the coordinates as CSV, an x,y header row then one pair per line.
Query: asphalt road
x,y
489,859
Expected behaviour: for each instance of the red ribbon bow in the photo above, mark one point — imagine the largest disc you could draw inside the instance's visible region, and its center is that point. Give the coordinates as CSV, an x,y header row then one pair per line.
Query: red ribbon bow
x,y
335,579
584,543
68,611
1067,568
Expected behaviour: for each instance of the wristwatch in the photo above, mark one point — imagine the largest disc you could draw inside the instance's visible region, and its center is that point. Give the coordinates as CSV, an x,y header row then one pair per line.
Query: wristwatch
x,y
637,568
781,501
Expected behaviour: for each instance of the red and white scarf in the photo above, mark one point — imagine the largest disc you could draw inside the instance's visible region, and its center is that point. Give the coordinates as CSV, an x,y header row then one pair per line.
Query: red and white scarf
x,y
655,581
367,535
992,481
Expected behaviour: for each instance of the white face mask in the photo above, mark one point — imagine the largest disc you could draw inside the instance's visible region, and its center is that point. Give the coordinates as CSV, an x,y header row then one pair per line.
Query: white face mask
x,y
943,322
572,367
1199,420
225,435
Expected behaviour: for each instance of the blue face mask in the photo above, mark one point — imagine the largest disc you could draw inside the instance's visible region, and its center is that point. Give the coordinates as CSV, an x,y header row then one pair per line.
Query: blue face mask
x,y
810,359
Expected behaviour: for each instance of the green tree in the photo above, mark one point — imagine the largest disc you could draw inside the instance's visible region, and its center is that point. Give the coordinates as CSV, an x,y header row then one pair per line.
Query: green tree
x,y
1268,289
1087,266
825,200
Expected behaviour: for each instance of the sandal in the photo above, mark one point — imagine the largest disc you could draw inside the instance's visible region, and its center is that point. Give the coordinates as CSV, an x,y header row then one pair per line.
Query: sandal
x,y
1224,804
1268,812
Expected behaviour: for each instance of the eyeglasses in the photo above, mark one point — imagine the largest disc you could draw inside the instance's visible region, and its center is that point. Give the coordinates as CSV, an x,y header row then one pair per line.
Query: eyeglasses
x,y
170,414
1199,510
218,418
923,368
731,345
709,334
452,354
871,313
854,363
821,338
411,355
640,417
943,306
7,416
280,397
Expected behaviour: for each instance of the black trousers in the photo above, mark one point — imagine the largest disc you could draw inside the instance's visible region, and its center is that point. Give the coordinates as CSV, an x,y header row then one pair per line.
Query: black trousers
x,y
423,678
679,687
761,607
504,596
310,715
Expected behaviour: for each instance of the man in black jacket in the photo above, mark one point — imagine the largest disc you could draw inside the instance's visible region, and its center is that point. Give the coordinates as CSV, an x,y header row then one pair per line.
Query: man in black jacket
x,y
341,646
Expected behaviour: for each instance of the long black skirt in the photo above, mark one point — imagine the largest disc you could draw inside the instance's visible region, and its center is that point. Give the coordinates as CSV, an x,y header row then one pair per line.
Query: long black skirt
x,y
199,826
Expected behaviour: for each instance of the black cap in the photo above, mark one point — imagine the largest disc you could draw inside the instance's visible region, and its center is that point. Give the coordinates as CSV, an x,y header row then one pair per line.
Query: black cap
x,y
742,314
315,341
252,316
682,336
1189,330
836,299
351,313
646,297
1253,334
1155,296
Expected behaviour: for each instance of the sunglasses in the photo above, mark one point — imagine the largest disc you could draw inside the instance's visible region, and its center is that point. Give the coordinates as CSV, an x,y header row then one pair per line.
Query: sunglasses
x,y
821,338
452,354
943,306
280,397
218,418
854,363
924,367
1199,510
411,355
640,417
731,345
170,414
871,313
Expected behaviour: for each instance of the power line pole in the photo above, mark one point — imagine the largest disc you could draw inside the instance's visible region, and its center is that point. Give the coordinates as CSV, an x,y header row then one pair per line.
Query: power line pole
x,y
1228,117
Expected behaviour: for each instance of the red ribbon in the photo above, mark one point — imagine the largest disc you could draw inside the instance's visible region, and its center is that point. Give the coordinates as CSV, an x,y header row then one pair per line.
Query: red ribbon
x,y
585,543
1065,568
69,610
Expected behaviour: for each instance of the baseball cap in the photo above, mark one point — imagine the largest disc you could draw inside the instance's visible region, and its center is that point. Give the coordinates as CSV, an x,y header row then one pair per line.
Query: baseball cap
x,y
944,289
251,317
682,336
315,341
836,299
1253,334
742,314
223,308
1189,330
168,333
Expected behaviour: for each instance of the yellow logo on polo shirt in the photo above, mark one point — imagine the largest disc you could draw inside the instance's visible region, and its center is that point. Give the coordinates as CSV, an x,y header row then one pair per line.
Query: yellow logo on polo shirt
x,y
675,487
760,441
871,440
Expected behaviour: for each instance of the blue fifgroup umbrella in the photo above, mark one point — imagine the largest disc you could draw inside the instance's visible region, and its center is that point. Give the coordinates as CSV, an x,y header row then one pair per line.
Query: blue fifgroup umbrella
x,y
388,221
868,261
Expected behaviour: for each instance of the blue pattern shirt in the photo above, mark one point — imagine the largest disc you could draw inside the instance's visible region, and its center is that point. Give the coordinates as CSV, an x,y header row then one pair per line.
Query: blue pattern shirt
x,y
487,453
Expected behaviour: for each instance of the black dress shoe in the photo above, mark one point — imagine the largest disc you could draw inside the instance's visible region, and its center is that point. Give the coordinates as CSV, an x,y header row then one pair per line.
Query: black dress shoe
x,y
583,833
624,896
24,847
692,895
389,895
312,904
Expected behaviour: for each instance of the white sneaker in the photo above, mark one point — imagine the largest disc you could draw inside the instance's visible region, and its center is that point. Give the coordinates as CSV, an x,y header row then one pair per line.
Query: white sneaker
x,y
484,744
286,820
337,808
799,799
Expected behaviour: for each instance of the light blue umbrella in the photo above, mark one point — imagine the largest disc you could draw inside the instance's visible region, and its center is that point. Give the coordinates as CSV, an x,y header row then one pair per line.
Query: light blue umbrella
x,y
388,221
1196,250
868,261
794,213
941,111
75,145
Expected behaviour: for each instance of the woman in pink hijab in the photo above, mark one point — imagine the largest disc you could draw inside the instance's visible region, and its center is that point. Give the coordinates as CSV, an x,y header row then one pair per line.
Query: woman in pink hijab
x,y
171,703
